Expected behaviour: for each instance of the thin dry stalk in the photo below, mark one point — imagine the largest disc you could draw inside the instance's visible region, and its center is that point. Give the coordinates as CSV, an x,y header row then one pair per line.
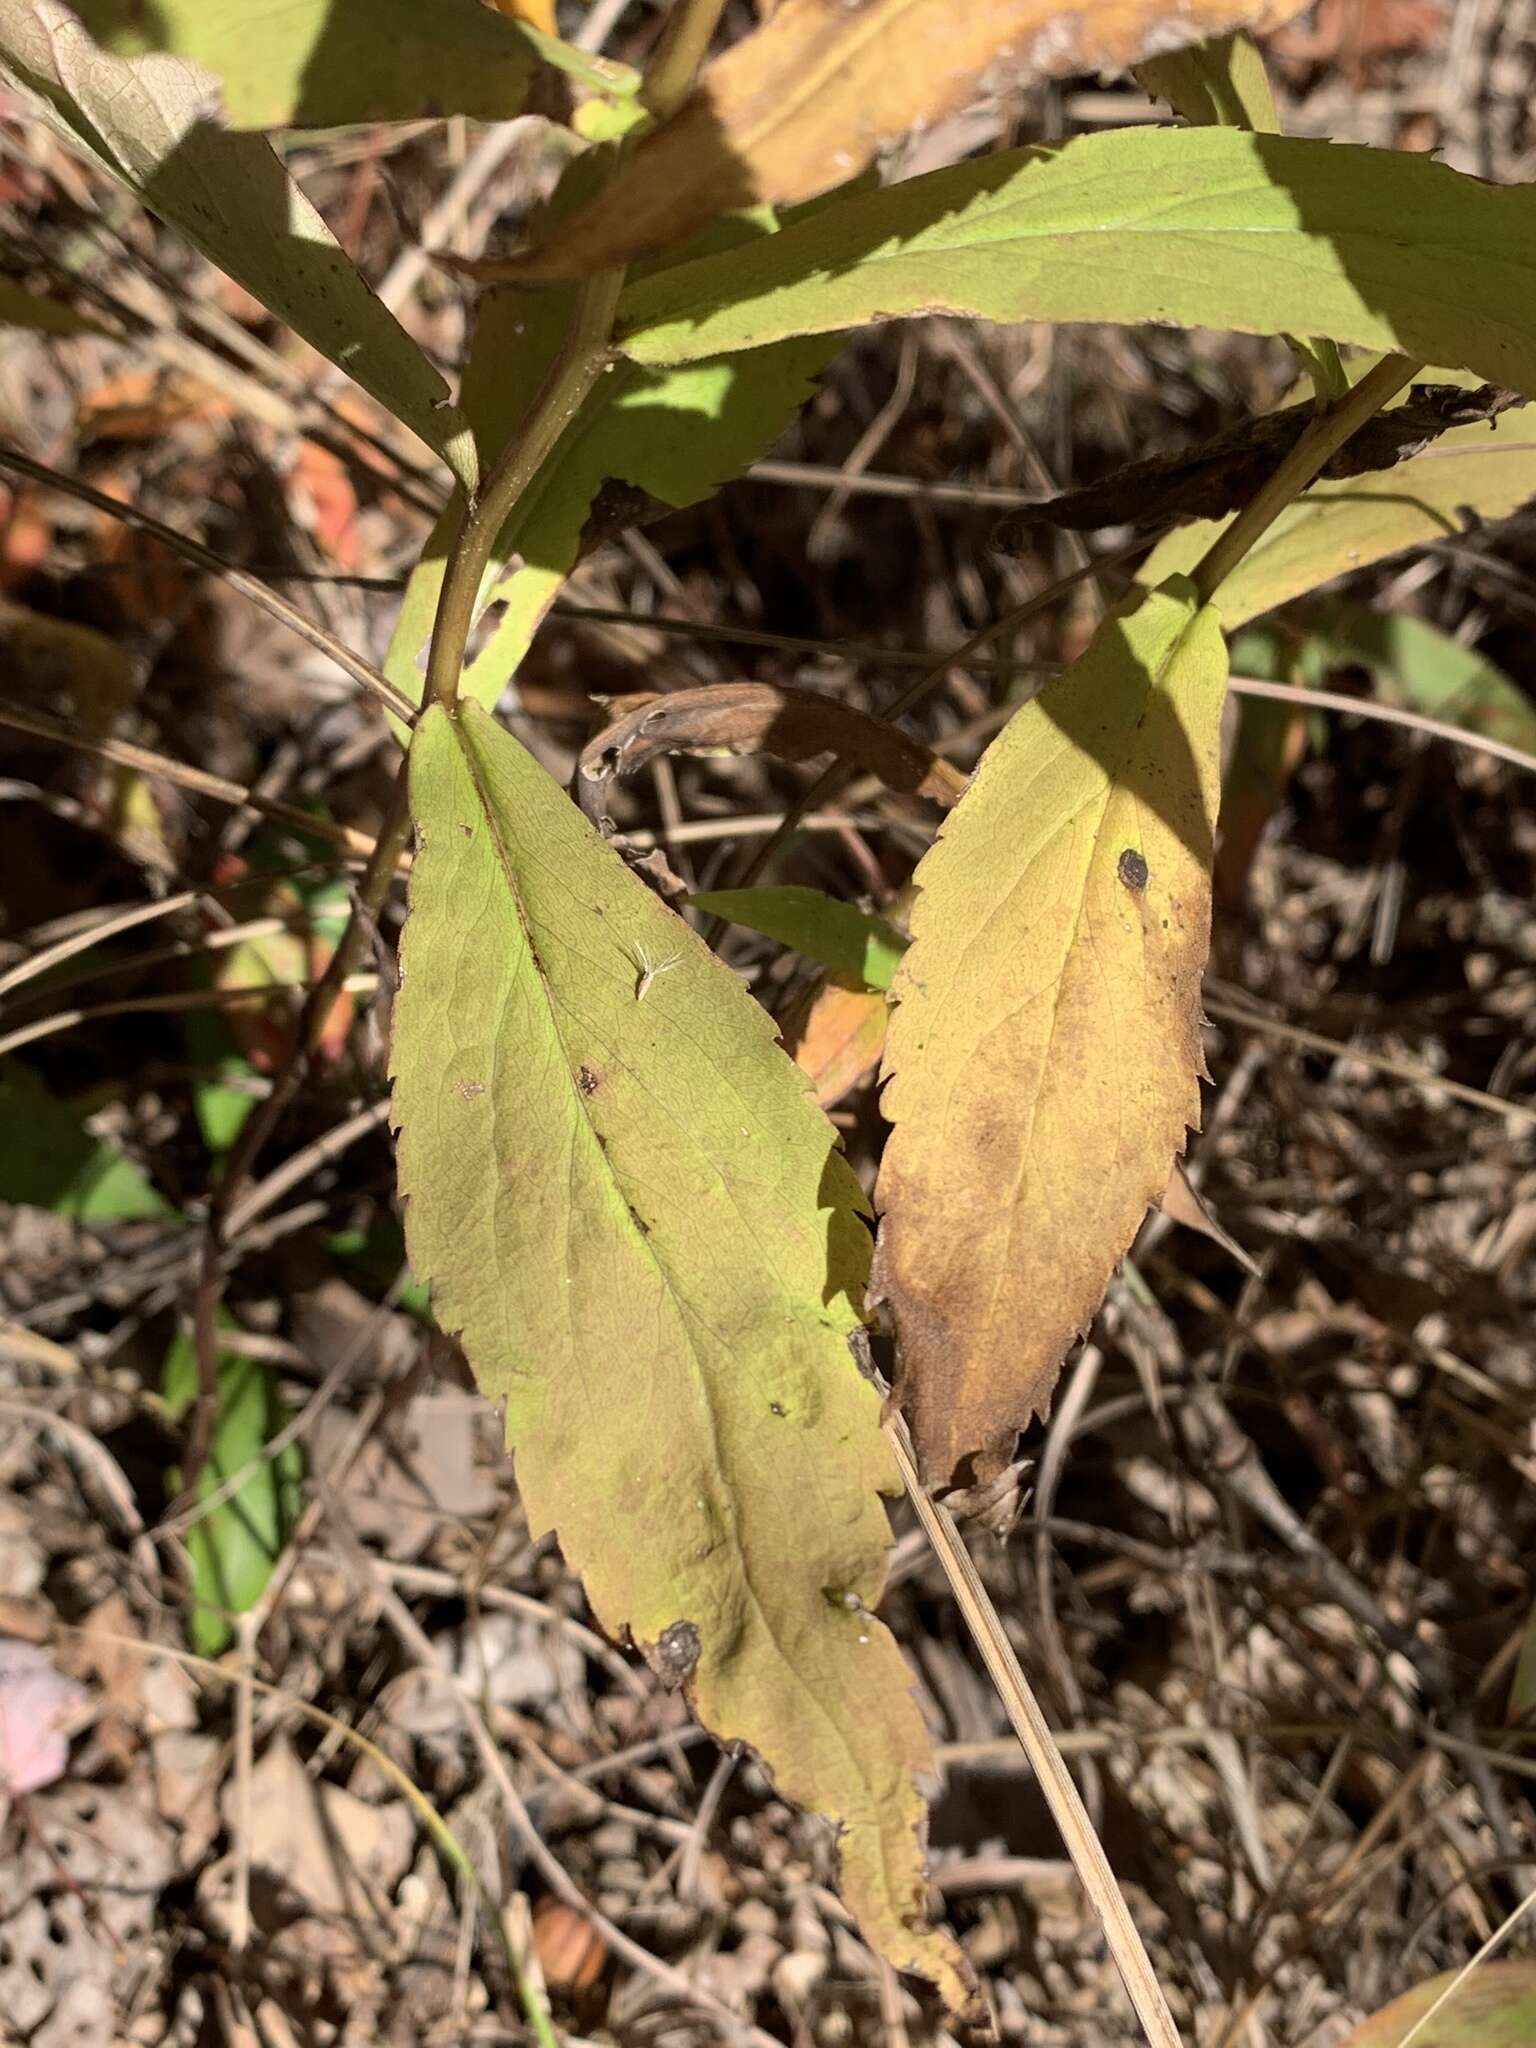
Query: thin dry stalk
x,y
1039,1745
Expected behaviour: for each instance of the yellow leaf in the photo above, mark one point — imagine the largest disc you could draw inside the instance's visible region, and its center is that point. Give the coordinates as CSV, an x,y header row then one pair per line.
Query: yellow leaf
x,y
807,101
1472,474
1494,2006
539,14
1044,1054
623,1198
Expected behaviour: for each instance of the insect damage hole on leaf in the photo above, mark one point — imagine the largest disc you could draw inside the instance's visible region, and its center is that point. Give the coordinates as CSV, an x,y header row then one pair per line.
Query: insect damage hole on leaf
x,y
676,1655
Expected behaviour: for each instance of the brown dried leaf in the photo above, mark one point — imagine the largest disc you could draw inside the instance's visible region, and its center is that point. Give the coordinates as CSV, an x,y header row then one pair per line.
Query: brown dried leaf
x,y
1222,474
570,1950
321,1841
1182,1202
806,102
758,718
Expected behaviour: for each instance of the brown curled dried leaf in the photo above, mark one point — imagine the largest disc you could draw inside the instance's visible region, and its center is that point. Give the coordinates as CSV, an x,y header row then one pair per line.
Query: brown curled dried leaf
x,y
1222,474
758,718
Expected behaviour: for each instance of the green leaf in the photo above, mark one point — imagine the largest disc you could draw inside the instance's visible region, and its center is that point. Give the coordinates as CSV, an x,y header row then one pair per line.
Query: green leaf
x,y
223,1106
1273,653
1044,1052
624,1200
322,63
21,308
1223,84
676,435
49,1160
1419,667
233,1548
145,121
1278,652
1204,227
811,98
856,947
1494,2008
1472,474
225,1089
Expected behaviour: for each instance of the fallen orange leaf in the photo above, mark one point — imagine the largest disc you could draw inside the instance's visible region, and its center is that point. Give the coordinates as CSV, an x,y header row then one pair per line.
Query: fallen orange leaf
x,y
325,503
838,1038
539,14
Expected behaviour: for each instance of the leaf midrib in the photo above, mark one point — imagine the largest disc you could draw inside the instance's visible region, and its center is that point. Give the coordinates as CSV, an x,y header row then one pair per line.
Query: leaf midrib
x,y
1112,781
726,1494
709,304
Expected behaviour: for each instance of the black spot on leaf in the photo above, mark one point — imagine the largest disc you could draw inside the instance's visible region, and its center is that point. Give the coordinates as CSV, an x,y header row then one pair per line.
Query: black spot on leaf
x,y
1133,870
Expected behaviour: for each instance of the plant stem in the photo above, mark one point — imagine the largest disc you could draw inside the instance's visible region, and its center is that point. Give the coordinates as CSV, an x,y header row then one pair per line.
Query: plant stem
x,y
1322,439
1039,1746
670,75
584,356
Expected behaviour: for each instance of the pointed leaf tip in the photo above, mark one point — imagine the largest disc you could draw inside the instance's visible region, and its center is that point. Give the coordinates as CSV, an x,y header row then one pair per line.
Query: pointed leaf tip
x,y
627,1203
